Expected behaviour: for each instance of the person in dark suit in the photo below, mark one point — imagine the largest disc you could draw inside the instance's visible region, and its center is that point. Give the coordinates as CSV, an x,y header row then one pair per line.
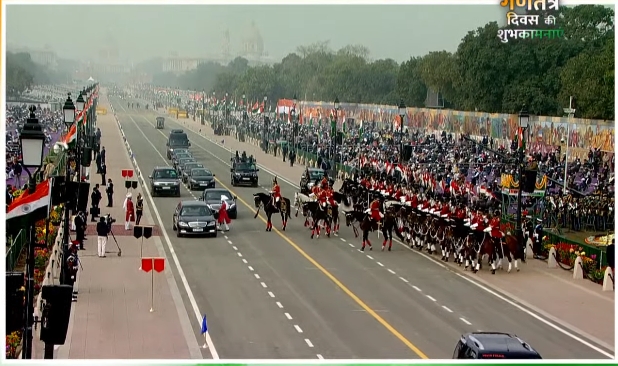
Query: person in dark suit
x,y
80,229
610,255
109,190
98,161
95,199
103,171
102,153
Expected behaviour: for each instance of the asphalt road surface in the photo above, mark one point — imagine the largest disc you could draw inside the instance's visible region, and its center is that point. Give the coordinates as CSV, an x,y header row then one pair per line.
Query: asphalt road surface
x,y
282,295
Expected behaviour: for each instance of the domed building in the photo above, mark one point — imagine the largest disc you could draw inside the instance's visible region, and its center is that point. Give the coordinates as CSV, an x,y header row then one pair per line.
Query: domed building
x,y
252,44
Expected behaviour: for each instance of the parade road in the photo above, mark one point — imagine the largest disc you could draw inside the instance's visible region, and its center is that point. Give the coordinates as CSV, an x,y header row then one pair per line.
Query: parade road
x,y
281,294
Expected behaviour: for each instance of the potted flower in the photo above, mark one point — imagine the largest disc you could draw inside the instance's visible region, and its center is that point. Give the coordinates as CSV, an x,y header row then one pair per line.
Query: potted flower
x,y
13,345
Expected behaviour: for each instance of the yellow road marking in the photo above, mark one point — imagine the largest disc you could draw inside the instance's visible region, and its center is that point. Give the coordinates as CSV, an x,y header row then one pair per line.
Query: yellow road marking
x,y
329,275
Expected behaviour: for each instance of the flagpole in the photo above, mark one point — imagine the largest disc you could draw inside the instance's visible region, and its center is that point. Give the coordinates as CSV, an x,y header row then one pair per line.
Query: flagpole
x,y
205,340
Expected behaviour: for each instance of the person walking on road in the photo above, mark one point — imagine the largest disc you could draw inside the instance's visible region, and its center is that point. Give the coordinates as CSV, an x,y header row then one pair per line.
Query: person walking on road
x,y
139,208
102,231
129,211
223,217
109,190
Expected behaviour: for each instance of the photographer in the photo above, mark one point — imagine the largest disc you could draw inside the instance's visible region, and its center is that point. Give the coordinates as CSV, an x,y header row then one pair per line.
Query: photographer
x,y
102,231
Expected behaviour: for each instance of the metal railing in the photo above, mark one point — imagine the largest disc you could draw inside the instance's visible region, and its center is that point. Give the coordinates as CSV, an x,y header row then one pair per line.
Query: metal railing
x,y
18,242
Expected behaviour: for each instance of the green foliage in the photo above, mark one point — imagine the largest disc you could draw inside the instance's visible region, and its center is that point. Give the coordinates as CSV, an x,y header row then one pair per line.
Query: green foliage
x,y
483,74
22,73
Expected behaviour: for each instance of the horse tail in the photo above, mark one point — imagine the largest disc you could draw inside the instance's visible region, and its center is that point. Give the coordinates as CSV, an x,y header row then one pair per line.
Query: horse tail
x,y
287,211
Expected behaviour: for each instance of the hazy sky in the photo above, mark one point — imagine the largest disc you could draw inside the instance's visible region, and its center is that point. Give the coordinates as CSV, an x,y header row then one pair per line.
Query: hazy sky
x,y
142,32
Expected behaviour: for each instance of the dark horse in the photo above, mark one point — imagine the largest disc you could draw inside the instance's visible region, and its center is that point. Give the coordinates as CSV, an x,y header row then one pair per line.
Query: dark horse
x,y
318,214
386,226
265,200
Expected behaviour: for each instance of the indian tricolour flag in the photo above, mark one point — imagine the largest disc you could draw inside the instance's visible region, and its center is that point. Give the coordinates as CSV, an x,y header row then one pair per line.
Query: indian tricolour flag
x,y
35,204
69,138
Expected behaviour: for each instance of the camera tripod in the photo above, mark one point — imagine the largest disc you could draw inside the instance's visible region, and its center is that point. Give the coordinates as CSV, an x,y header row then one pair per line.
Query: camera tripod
x,y
116,241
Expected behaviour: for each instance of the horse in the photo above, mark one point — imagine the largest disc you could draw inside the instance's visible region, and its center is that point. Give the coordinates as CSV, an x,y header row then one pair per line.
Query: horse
x,y
512,251
299,200
319,214
266,201
486,246
366,225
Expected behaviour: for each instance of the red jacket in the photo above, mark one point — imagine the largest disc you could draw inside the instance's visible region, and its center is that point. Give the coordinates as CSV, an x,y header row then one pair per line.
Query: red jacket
x,y
495,228
375,210
276,191
414,201
129,214
223,216
398,194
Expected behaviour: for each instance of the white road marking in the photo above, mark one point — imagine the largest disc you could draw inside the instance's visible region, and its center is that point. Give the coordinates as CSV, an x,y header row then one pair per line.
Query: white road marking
x,y
244,261
226,237
391,271
251,268
430,298
234,247
403,279
271,294
263,284
370,257
380,264
298,328
320,356
279,305
342,239
229,242
257,276
447,309
308,343
465,321
416,288
287,315
183,278
239,254
352,245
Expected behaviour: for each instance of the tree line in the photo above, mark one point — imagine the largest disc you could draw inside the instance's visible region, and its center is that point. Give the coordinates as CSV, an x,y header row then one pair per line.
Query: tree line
x,y
484,74
22,73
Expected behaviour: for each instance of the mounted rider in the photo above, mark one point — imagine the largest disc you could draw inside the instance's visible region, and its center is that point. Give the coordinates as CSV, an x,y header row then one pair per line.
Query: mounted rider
x,y
494,224
276,194
374,209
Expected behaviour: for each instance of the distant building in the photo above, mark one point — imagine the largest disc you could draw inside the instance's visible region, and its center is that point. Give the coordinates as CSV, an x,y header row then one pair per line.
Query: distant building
x,y
178,65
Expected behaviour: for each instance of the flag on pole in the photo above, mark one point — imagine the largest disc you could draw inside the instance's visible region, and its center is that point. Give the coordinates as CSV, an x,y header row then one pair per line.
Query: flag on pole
x,y
204,325
35,204
205,331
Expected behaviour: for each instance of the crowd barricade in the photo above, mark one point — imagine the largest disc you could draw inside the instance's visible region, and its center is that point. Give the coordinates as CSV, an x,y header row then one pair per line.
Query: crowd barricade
x,y
101,111
580,270
182,114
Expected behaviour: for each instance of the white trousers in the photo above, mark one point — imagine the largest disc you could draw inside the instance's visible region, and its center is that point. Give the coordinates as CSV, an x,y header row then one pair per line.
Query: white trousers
x,y
127,225
101,244
227,228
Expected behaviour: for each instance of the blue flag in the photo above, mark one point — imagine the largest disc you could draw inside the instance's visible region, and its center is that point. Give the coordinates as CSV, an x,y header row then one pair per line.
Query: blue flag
x,y
204,325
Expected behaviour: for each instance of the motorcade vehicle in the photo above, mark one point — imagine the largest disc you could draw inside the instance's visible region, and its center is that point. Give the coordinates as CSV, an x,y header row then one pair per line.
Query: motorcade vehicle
x,y
177,139
213,197
194,218
493,346
164,181
186,170
201,178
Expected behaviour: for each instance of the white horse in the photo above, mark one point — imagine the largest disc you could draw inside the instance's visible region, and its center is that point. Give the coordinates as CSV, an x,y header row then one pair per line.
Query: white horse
x,y
300,199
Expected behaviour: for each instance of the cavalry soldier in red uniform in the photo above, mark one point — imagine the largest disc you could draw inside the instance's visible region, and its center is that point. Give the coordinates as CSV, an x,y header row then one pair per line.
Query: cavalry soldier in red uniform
x,y
330,196
374,209
398,194
323,197
324,182
276,193
316,189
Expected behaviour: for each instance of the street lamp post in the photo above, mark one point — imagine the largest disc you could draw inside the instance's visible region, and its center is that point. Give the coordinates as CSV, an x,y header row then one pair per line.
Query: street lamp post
x,y
294,123
524,119
203,107
68,118
79,104
265,133
402,114
333,131
225,111
32,141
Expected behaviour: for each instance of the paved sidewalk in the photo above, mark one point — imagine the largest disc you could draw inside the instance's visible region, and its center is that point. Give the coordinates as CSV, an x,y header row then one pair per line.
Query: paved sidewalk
x,y
112,318
552,293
